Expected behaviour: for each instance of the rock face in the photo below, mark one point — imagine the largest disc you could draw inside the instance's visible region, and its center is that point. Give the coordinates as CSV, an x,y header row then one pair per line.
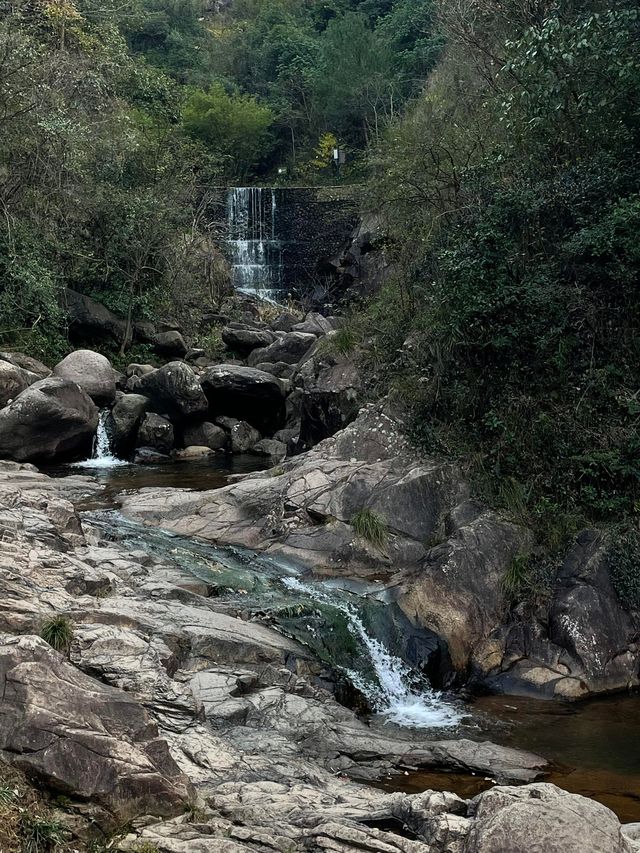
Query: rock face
x,y
52,419
92,372
245,393
174,390
123,422
89,319
88,739
156,432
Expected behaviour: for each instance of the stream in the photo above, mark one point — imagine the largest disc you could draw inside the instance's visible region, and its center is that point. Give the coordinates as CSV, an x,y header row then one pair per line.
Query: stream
x,y
594,746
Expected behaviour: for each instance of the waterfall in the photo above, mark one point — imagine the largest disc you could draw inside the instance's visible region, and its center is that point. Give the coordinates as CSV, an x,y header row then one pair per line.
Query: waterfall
x,y
101,455
395,696
255,252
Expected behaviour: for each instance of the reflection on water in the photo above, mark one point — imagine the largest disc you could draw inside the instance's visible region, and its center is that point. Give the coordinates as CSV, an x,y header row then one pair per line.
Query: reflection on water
x,y
594,748
210,472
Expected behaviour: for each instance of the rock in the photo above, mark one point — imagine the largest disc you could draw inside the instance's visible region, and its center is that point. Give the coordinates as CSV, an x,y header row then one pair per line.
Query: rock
x,y
289,437
245,393
87,740
174,390
156,432
242,436
13,381
276,450
123,422
193,451
148,456
280,369
194,354
134,369
243,341
210,320
31,365
290,348
314,324
285,322
92,372
170,343
52,419
206,435
144,331
330,396
89,319
541,818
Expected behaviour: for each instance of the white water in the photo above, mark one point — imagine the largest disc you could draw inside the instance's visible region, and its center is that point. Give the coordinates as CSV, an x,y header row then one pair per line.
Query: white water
x,y
256,255
101,455
394,697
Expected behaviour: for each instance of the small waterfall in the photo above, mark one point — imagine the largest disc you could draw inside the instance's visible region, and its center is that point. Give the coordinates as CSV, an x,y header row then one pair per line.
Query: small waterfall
x,y
396,695
101,455
256,254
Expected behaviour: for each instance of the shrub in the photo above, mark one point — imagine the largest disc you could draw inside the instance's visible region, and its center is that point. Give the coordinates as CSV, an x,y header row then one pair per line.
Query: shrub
x,y
40,834
58,632
370,526
623,561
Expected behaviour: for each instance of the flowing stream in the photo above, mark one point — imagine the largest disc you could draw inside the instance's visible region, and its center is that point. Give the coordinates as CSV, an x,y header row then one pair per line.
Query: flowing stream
x,y
255,251
101,453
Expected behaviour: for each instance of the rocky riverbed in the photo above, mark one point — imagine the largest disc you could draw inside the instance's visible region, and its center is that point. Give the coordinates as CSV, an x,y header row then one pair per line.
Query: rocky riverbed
x,y
208,732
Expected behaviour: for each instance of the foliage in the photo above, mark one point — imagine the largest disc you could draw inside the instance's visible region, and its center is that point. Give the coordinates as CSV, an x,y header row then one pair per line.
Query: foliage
x,y
40,834
510,197
623,558
58,632
371,526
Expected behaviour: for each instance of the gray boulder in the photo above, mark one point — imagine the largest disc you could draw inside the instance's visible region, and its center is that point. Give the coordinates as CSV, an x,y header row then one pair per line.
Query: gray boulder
x,y
170,343
86,740
135,369
92,372
245,393
89,319
242,436
173,390
243,341
314,324
32,365
205,434
330,397
124,420
156,432
13,381
290,348
52,419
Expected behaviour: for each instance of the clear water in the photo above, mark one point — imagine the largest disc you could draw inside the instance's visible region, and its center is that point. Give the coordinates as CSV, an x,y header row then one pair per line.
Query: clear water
x,y
255,251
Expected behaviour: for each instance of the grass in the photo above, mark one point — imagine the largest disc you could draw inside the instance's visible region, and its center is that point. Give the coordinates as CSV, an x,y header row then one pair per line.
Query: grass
x,y
40,834
371,526
58,632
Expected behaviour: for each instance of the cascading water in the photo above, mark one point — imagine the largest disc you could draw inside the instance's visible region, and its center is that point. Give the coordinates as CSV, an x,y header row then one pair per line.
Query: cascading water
x,y
101,455
396,695
256,253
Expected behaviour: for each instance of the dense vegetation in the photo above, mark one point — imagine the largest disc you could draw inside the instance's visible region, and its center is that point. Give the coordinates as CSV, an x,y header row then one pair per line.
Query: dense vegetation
x,y
509,193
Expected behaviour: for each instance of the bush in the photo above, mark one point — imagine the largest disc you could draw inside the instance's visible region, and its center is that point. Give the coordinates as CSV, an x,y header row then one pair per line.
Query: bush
x,y
370,526
40,834
58,632
623,561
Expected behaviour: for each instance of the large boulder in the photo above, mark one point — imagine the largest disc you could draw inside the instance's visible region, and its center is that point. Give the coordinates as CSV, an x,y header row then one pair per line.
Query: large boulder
x,y
541,818
82,738
243,341
291,347
174,391
245,393
170,343
26,362
205,434
242,436
52,419
156,432
92,372
13,381
123,422
314,324
330,397
89,319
